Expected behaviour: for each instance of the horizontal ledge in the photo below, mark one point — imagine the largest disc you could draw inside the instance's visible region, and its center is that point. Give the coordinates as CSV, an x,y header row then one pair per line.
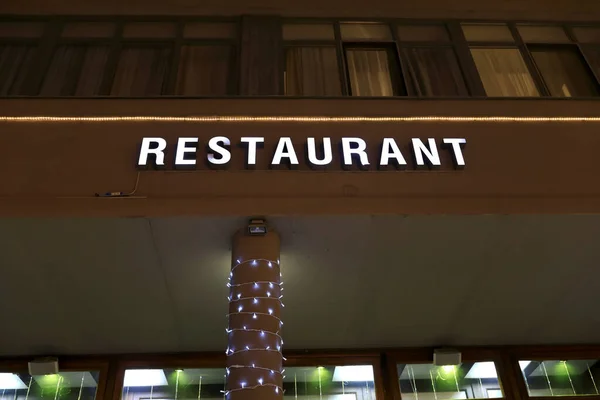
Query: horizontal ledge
x,y
266,118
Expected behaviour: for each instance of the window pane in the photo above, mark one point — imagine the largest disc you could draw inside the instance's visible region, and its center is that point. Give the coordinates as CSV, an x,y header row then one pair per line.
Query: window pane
x,y
149,30
75,71
465,381
204,70
330,383
189,383
21,29
16,62
76,385
504,73
487,33
308,32
587,34
543,34
434,72
561,378
200,30
88,30
423,33
564,72
312,71
369,72
140,71
365,31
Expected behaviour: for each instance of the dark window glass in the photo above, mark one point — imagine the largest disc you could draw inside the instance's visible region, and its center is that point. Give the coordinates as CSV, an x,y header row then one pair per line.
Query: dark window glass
x,y
564,71
372,71
434,72
171,383
75,71
561,378
66,385
477,380
204,70
141,71
16,62
312,71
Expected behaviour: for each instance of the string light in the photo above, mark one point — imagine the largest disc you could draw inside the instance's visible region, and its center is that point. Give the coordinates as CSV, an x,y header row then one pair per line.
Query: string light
x,y
239,298
224,118
244,387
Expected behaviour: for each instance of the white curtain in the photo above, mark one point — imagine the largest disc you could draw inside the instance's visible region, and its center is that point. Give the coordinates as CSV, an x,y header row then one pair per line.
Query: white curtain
x,y
504,73
204,70
369,72
16,62
312,71
75,71
141,72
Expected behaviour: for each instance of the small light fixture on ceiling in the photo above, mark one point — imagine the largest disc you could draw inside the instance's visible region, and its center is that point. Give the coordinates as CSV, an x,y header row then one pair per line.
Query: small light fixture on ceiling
x,y
446,357
257,227
43,366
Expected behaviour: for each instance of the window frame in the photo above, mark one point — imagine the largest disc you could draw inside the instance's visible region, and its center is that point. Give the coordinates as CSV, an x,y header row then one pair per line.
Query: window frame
x,y
69,364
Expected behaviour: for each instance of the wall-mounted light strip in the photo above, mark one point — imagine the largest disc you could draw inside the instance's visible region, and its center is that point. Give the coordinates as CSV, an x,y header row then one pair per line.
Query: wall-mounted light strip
x,y
313,119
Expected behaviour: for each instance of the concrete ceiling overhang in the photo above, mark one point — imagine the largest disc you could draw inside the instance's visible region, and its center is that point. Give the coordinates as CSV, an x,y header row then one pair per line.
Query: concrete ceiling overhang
x,y
92,286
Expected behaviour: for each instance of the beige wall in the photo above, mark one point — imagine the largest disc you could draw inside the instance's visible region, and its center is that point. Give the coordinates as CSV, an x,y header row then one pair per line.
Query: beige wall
x,y
512,167
493,9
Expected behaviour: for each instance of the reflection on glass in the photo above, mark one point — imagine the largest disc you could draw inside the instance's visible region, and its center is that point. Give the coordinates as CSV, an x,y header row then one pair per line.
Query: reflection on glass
x,y
465,381
173,384
561,378
66,386
350,382
564,71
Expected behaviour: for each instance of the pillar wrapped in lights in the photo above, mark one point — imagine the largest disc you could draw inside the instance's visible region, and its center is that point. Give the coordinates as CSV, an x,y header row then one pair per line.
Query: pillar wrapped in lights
x,y
254,358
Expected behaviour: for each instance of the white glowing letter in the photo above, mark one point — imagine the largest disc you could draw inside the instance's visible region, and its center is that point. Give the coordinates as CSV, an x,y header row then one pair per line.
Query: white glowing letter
x,y
159,151
285,148
360,150
430,152
312,152
182,150
390,149
215,145
456,150
252,145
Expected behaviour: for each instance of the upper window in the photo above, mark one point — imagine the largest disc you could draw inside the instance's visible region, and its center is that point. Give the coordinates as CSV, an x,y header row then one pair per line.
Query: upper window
x,y
561,378
465,381
430,62
563,69
500,64
143,59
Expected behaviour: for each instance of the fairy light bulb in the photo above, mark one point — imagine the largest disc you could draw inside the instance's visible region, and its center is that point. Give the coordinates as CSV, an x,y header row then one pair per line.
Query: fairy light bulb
x,y
254,263
240,308
239,296
268,294
243,384
254,316
260,381
270,311
255,300
255,285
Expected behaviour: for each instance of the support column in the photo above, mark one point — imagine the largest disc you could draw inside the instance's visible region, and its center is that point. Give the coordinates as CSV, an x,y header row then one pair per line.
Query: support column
x,y
254,359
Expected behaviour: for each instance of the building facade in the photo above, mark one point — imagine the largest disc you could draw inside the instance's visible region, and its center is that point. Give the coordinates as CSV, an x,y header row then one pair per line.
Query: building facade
x,y
426,172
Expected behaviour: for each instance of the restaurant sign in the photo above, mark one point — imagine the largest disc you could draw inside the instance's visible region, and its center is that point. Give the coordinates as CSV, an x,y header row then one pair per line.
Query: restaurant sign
x,y
351,151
